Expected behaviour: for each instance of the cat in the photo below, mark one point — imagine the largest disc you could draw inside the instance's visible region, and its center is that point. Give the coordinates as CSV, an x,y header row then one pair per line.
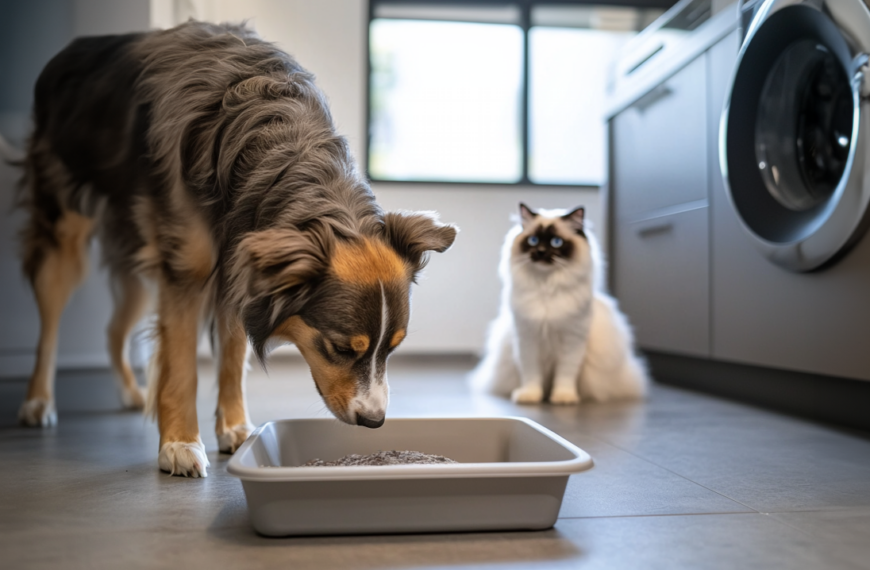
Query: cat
x,y
557,326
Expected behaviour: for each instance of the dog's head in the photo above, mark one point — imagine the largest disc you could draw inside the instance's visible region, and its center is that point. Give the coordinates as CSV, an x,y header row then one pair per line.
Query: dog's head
x,y
343,303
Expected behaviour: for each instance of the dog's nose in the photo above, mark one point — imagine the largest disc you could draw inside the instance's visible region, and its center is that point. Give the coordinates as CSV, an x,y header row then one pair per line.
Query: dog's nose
x,y
361,420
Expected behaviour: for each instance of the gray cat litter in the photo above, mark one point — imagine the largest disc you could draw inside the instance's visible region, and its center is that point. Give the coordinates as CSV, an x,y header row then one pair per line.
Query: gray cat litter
x,y
381,458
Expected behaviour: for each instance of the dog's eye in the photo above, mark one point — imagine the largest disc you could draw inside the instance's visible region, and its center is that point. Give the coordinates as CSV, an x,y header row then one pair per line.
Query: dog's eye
x,y
340,350
532,241
344,350
556,242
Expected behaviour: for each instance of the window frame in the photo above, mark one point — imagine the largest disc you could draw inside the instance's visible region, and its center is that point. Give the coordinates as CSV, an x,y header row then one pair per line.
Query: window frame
x,y
525,9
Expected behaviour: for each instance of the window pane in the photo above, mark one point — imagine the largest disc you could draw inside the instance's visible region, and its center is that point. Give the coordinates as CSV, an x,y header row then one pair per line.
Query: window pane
x,y
568,78
445,101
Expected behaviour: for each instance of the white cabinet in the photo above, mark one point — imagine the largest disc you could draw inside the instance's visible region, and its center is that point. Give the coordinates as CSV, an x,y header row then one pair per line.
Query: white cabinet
x,y
660,238
662,274
660,156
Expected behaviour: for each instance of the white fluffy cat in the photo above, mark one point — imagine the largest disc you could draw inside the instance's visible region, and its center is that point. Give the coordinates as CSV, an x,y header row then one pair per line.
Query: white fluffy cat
x,y
556,325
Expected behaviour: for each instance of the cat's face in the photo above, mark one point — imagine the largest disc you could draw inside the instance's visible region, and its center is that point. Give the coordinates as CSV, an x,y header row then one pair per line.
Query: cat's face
x,y
549,241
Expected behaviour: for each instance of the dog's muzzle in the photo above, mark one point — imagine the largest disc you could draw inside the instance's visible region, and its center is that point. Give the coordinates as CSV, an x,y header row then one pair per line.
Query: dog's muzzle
x,y
370,408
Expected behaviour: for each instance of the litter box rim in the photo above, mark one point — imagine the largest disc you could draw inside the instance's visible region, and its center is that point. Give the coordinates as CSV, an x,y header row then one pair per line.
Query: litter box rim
x,y
581,461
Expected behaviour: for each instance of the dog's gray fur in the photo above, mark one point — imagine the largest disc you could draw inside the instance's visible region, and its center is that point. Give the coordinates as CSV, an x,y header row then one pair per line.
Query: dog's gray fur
x,y
209,110
207,126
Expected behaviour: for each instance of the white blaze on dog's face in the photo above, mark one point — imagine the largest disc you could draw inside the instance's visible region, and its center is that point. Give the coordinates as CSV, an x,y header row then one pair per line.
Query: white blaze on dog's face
x,y
356,313
357,316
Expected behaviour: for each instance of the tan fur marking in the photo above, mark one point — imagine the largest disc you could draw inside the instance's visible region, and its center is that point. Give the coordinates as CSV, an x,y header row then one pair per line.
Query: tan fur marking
x,y
397,338
232,413
367,263
60,273
148,256
360,342
195,258
174,395
336,383
131,299
197,254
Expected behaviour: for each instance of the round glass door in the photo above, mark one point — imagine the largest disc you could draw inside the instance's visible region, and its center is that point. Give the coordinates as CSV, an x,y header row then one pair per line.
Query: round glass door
x,y
791,132
803,128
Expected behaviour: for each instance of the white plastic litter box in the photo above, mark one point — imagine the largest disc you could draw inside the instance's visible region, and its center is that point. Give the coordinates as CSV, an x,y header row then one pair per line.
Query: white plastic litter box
x,y
511,474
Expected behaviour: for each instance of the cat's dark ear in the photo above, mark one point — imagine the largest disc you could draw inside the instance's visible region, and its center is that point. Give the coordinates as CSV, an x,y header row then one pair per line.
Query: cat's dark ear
x,y
576,218
527,215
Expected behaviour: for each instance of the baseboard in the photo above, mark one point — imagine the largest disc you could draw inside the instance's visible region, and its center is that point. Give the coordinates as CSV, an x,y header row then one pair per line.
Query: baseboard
x,y
839,401
18,365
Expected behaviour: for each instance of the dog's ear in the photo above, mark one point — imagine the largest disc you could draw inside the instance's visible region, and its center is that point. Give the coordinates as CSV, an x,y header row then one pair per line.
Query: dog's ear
x,y
269,261
413,234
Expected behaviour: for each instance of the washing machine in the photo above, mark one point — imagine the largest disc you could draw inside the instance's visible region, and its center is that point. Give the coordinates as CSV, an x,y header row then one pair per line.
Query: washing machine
x,y
790,259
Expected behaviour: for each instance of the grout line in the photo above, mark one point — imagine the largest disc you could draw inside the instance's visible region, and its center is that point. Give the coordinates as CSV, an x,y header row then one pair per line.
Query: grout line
x,y
663,515
617,446
808,533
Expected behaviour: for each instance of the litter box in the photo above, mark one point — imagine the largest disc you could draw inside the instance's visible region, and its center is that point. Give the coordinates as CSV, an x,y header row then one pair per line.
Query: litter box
x,y
511,474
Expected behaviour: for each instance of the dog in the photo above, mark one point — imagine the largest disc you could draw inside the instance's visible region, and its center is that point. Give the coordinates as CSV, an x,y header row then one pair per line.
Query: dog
x,y
206,161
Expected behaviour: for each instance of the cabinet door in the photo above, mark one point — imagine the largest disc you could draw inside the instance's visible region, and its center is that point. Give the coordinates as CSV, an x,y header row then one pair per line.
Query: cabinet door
x,y
660,146
661,279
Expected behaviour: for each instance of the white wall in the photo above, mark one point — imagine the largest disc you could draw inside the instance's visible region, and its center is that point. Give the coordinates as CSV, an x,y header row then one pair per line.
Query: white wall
x,y
459,293
97,17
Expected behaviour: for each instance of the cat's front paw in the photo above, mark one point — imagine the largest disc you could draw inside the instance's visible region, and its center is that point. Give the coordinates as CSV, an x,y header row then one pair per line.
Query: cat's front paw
x,y
564,396
528,395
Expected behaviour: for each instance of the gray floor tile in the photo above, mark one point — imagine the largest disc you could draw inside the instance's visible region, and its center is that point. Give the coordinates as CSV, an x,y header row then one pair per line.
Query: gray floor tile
x,y
88,494
846,530
767,462
727,542
228,548
622,484
675,542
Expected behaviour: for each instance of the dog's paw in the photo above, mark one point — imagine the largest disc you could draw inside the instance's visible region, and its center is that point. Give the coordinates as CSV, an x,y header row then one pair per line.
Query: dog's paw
x,y
133,399
528,395
185,459
37,412
564,396
230,440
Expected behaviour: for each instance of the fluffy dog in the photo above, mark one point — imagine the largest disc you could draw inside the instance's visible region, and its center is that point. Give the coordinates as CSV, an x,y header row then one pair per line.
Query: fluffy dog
x,y
207,162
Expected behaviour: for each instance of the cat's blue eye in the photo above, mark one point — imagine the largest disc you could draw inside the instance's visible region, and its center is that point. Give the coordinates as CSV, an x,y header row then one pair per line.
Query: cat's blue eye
x,y
556,242
532,241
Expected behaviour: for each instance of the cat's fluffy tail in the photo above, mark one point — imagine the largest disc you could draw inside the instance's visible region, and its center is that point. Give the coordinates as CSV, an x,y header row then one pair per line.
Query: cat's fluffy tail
x,y
497,373
611,369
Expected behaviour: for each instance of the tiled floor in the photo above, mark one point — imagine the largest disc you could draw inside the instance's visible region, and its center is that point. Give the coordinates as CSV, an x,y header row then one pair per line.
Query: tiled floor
x,y
681,481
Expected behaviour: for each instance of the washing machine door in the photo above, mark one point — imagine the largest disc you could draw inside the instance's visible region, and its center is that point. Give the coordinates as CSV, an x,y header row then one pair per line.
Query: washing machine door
x,y
793,138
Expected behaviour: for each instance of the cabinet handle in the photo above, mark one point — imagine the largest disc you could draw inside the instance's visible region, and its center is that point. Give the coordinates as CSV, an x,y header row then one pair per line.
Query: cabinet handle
x,y
645,59
651,230
653,97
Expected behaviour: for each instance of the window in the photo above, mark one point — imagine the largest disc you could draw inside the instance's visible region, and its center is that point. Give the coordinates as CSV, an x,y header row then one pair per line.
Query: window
x,y
445,109
511,93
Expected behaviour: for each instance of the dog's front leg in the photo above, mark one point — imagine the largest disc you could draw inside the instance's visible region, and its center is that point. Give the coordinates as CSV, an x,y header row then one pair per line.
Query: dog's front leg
x,y
181,449
232,425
